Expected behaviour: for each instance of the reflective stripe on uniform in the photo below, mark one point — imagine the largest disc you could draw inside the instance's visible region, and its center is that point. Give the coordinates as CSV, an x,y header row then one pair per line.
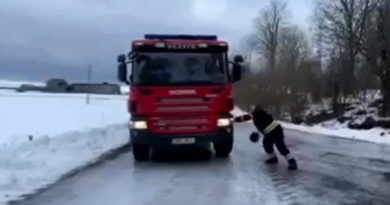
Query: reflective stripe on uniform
x,y
270,127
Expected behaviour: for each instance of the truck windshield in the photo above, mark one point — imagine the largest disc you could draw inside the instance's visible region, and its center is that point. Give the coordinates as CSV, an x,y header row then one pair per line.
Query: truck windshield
x,y
164,69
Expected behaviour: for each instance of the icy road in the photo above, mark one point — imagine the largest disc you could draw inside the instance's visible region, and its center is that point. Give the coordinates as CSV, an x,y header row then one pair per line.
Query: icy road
x,y
332,171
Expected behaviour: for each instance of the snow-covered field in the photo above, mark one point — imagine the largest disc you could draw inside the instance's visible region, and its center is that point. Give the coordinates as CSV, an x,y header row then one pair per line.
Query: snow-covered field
x,y
44,136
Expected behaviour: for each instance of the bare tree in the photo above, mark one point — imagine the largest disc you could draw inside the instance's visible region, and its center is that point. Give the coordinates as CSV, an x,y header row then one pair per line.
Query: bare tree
x,y
333,76
286,88
285,85
318,37
344,25
377,48
296,68
247,48
268,26
295,48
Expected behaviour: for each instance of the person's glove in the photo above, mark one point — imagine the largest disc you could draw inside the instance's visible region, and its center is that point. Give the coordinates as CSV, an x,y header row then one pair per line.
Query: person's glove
x,y
242,118
247,117
254,137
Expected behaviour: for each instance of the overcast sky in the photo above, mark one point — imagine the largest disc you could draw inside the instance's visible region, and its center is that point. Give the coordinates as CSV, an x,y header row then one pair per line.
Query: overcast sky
x,y
41,39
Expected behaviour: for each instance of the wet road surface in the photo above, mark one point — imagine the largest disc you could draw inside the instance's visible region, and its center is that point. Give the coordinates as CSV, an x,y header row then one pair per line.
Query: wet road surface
x,y
331,171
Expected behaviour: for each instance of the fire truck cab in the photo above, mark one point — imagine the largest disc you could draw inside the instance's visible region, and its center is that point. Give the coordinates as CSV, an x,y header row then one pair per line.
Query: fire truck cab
x,y
180,92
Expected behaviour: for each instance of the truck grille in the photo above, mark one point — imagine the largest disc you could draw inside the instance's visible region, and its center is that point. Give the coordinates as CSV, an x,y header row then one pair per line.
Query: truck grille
x,y
177,125
191,104
183,115
183,108
191,120
185,128
182,100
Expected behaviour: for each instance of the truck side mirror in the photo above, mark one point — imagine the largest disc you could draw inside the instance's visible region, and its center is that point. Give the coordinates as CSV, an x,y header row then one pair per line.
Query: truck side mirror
x,y
237,70
238,59
122,69
121,58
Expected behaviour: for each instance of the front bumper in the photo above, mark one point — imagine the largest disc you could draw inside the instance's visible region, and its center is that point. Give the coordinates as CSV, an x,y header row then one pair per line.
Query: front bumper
x,y
150,138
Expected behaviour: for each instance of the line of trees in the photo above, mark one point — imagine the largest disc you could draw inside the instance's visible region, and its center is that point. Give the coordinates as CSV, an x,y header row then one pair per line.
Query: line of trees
x,y
347,54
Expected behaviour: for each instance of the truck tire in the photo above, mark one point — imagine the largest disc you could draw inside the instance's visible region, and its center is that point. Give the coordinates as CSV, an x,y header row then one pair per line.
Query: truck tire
x,y
141,152
223,149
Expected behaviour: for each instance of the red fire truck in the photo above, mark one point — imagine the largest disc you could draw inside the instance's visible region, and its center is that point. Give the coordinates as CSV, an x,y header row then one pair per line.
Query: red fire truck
x,y
180,92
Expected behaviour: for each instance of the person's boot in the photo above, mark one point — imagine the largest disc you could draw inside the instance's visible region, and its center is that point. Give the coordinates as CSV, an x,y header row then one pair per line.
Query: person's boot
x,y
292,164
272,159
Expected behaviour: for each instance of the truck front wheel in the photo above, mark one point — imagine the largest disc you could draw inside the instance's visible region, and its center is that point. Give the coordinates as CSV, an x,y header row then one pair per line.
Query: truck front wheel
x,y
223,148
141,152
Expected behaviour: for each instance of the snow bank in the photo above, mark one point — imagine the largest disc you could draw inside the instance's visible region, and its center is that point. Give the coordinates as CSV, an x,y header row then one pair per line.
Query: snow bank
x,y
44,136
31,166
360,109
361,104
375,135
237,112
40,114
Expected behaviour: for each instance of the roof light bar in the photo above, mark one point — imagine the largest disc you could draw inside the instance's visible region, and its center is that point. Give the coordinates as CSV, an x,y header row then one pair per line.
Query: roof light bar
x,y
160,45
203,45
182,37
138,43
222,44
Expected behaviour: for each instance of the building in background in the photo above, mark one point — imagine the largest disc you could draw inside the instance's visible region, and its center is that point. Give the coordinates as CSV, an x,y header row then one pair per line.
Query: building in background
x,y
58,85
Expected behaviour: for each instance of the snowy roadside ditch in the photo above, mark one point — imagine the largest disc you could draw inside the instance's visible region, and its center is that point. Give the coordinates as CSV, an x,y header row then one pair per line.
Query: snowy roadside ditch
x,y
375,135
358,111
44,137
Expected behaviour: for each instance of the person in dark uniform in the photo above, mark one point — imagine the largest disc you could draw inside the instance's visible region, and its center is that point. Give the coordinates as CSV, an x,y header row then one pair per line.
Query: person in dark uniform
x,y
273,135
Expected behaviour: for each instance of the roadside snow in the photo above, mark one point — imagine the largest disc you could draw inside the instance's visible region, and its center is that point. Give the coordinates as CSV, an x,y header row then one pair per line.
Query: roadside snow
x,y
44,136
360,108
40,114
237,112
362,105
316,109
375,135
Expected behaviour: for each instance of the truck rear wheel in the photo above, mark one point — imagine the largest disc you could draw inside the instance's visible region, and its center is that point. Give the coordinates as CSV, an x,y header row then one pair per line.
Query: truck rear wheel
x,y
223,149
141,152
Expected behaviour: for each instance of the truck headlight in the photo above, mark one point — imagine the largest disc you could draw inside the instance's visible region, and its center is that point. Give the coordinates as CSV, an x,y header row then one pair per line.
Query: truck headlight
x,y
224,122
139,125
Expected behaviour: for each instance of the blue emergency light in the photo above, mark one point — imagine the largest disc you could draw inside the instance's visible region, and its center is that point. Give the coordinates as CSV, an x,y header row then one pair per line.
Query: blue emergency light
x,y
180,37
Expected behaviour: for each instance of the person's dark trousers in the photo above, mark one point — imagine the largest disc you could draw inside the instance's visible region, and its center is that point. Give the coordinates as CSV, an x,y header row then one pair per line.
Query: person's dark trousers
x,y
275,137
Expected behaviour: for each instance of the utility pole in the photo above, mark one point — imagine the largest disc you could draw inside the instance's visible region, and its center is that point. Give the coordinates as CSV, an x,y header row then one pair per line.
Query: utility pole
x,y
89,73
